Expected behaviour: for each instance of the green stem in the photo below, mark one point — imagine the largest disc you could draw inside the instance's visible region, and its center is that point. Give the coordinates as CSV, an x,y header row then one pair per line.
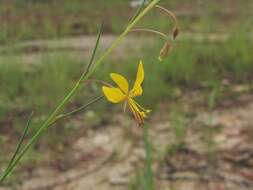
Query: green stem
x,y
72,92
121,37
20,142
149,178
164,36
77,110
44,126
138,11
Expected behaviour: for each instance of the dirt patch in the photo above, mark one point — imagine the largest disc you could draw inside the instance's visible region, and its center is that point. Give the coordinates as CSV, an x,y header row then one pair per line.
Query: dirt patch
x,y
107,158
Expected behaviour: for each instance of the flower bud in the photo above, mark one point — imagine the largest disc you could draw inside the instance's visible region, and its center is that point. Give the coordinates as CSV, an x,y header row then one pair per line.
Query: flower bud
x,y
164,51
175,32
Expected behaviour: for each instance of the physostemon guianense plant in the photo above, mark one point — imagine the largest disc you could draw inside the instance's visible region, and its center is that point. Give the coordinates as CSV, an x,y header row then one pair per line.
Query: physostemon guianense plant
x,y
120,93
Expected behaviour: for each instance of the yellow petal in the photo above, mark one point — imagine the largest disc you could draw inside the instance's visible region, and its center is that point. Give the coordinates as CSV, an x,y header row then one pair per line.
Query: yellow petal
x,y
120,81
113,95
137,89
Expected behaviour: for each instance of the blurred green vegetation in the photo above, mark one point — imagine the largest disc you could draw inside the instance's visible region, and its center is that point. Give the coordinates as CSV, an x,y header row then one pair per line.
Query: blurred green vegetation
x,y
192,65
27,19
144,178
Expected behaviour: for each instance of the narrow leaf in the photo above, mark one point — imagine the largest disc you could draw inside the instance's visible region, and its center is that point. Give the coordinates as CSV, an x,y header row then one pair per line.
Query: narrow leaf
x,y
95,49
18,147
138,10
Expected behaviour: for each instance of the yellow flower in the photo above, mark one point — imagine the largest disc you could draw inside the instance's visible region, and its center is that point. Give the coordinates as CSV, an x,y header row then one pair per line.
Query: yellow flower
x,y
122,93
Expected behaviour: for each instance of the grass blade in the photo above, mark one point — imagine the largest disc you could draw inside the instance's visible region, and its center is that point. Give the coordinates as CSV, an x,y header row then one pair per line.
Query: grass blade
x,y
94,50
149,178
138,11
18,147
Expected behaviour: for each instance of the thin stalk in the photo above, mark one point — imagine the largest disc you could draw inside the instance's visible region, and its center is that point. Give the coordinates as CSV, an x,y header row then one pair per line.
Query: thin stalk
x,y
169,13
78,109
121,37
151,31
99,82
138,10
149,177
20,141
73,91
94,51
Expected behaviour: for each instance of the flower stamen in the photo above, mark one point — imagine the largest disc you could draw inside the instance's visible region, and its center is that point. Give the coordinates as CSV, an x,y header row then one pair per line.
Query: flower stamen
x,y
136,112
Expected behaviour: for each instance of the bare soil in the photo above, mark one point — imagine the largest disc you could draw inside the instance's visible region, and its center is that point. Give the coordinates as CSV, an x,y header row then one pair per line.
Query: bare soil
x,y
108,157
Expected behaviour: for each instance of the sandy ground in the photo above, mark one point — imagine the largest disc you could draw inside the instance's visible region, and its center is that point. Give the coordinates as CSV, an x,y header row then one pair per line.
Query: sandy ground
x,y
107,158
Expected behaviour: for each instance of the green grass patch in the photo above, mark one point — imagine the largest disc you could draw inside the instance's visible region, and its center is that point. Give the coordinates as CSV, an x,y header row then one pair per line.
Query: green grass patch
x,y
24,20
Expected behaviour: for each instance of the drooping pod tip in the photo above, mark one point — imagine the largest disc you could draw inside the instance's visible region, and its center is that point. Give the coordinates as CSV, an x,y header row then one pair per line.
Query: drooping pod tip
x,y
164,52
175,32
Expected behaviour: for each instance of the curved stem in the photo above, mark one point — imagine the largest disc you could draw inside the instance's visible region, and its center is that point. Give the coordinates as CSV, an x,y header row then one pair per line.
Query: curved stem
x,y
20,141
99,81
151,31
169,13
77,110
